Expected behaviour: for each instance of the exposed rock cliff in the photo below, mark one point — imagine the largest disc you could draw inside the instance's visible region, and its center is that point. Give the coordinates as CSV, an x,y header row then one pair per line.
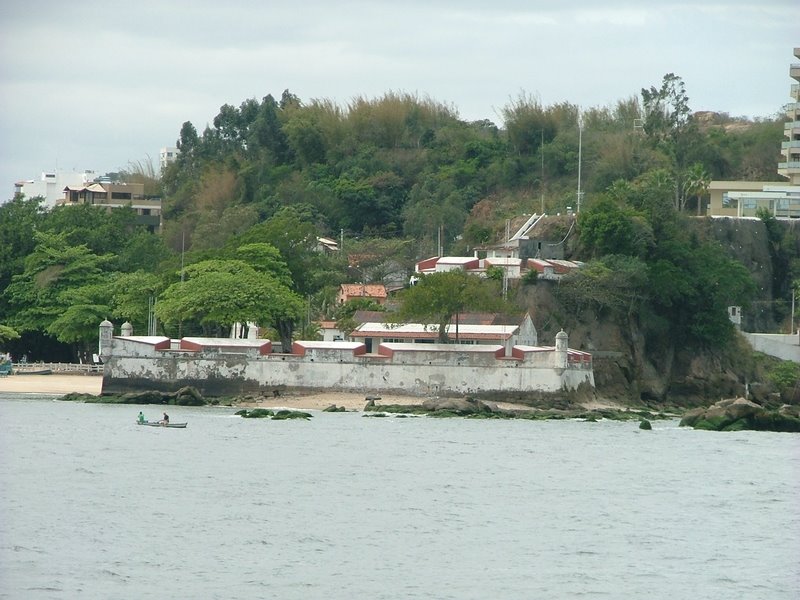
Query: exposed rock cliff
x,y
629,365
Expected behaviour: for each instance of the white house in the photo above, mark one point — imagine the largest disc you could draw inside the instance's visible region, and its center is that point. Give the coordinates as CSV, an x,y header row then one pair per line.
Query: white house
x,y
51,184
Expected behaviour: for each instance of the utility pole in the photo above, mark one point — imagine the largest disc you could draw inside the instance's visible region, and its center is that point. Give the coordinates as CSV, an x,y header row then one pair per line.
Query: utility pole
x,y
506,251
541,151
580,151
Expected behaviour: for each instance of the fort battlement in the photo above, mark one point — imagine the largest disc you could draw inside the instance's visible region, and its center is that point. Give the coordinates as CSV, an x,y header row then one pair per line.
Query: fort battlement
x,y
220,366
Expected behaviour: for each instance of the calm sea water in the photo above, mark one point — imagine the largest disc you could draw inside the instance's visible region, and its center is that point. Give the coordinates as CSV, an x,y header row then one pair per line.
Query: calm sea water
x,y
344,507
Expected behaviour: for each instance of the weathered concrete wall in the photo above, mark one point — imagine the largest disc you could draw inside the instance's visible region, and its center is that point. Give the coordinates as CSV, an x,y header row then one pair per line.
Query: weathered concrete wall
x,y
783,346
416,372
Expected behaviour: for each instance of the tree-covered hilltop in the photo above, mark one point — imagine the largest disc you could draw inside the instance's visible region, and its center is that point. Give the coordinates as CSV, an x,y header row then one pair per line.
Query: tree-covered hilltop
x,y
393,179
404,166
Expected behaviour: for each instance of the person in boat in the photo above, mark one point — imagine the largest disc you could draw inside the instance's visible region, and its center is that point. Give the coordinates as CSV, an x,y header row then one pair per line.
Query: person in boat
x,y
141,417
165,419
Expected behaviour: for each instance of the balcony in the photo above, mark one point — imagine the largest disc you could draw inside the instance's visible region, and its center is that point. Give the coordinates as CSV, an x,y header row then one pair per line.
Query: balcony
x,y
794,71
791,127
790,145
790,170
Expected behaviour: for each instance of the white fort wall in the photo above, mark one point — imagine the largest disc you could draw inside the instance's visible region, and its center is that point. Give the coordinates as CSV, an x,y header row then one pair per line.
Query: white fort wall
x,y
159,363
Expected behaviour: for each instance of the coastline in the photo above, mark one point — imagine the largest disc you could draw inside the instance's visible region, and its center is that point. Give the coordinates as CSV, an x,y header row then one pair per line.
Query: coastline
x,y
61,384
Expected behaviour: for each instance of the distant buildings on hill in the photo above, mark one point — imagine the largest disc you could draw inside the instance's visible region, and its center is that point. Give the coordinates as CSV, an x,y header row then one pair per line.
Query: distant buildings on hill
x,y
51,184
62,187
110,195
70,188
513,267
780,198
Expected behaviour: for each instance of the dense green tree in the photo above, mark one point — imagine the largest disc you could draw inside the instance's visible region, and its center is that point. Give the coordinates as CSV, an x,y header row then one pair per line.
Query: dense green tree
x,y
294,234
101,231
133,297
692,284
46,295
265,258
528,124
614,284
218,293
667,112
19,219
306,139
7,333
438,297
606,227
672,129
378,260
266,137
345,313
142,251
83,310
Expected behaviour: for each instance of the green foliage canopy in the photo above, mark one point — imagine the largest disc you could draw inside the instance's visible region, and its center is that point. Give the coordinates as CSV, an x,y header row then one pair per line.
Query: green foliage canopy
x,y
219,293
437,297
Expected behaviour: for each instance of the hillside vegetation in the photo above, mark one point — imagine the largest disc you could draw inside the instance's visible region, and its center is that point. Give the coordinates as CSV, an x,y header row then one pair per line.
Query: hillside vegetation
x,y
393,179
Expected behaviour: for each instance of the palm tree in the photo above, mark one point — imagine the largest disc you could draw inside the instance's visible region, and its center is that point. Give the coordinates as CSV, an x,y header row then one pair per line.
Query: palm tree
x,y
696,184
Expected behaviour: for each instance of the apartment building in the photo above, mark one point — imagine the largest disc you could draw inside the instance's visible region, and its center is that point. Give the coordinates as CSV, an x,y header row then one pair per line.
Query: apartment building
x,y
780,198
114,195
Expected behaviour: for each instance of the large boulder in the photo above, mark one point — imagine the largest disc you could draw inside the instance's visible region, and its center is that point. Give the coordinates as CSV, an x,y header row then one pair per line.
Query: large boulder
x,y
735,414
189,396
459,406
732,409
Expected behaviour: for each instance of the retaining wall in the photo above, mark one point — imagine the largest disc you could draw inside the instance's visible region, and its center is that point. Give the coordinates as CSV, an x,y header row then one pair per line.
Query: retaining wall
x,y
783,346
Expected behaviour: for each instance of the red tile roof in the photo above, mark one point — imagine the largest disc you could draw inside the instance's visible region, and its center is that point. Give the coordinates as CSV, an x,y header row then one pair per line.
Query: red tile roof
x,y
360,290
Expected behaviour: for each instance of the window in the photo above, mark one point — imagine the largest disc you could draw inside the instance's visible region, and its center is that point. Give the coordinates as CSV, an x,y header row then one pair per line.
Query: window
x,y
120,195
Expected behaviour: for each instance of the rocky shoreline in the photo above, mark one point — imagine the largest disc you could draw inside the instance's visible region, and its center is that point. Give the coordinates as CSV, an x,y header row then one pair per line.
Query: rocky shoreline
x,y
280,405
726,415
737,414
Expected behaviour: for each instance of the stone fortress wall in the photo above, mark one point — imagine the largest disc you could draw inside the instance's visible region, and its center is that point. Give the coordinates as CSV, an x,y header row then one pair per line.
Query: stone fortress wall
x,y
220,366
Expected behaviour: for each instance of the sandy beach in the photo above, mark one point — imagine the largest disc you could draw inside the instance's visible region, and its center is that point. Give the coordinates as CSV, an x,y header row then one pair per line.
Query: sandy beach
x,y
58,385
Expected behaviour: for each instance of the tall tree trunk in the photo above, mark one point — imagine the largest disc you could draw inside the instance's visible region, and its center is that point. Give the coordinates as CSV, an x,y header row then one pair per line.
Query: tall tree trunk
x,y
285,329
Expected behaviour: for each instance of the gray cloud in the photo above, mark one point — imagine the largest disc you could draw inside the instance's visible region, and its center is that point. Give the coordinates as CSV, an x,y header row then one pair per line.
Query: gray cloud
x,y
97,84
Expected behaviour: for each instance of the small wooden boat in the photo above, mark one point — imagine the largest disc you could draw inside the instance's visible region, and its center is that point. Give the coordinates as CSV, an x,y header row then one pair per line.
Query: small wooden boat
x,y
162,424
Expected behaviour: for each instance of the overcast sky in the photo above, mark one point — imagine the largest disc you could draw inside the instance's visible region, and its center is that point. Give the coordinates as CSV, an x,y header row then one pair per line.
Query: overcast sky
x,y
96,84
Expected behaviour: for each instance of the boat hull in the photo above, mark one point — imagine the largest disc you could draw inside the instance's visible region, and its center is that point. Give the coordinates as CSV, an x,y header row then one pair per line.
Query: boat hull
x,y
160,424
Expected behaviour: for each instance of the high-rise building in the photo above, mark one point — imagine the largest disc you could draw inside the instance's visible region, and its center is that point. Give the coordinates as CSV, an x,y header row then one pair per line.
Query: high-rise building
x,y
780,198
790,167
166,156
